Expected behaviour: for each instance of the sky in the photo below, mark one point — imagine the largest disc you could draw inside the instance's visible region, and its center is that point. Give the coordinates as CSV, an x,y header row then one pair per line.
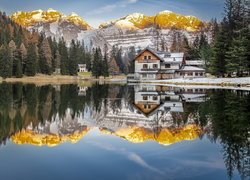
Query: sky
x,y
99,11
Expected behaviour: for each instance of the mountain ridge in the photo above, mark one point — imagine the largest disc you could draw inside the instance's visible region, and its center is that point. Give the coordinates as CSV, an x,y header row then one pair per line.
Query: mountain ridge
x,y
164,20
31,18
136,29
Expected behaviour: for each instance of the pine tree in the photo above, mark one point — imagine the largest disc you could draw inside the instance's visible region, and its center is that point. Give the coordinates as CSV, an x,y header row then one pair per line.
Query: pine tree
x,y
57,60
218,62
63,51
19,68
236,56
105,66
5,62
131,56
14,55
23,56
119,60
88,61
45,59
113,67
31,60
73,59
95,67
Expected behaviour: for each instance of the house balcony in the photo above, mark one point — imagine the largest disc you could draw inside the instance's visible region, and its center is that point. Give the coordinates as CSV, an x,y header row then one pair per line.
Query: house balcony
x,y
149,61
150,69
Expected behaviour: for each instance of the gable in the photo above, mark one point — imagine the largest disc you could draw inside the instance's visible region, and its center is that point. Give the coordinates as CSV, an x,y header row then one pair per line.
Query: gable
x,y
148,109
147,53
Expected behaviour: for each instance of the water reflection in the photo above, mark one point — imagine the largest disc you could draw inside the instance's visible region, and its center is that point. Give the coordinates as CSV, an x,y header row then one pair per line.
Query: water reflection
x,y
51,115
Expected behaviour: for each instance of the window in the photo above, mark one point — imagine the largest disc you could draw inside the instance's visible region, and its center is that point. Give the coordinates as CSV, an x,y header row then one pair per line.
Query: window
x,y
155,66
147,106
145,98
155,98
144,75
149,57
167,65
201,74
196,74
190,74
167,98
145,57
145,66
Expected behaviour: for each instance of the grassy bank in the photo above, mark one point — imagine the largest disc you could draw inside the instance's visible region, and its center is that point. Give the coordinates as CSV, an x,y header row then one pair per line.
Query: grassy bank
x,y
41,79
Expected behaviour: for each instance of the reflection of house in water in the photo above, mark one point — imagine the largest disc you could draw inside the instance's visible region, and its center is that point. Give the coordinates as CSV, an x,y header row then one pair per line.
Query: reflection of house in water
x,y
151,99
151,116
82,90
193,95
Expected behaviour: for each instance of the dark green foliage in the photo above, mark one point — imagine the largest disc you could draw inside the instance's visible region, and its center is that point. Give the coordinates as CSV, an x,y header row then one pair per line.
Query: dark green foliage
x,y
63,51
18,67
131,56
97,63
45,57
5,62
31,61
231,46
105,67
73,58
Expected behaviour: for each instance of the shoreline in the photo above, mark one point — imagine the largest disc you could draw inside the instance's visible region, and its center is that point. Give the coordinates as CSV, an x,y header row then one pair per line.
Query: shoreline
x,y
221,82
62,79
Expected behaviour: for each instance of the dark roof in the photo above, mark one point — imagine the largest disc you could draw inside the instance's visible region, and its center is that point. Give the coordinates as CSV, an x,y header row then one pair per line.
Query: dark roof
x,y
150,50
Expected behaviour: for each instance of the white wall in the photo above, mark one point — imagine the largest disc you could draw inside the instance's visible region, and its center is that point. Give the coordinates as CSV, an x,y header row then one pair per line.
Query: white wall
x,y
139,66
139,97
172,67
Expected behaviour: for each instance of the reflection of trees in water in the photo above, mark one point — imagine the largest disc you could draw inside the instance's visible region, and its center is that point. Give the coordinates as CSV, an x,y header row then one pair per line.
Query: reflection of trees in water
x,y
233,129
230,124
225,115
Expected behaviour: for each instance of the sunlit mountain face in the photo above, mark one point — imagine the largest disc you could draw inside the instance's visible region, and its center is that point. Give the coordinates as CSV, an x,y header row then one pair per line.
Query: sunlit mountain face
x,y
164,136
53,116
41,139
136,29
162,20
32,18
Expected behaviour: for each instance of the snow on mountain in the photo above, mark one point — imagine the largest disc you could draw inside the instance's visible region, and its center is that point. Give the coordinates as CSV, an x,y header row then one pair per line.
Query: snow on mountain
x,y
56,24
136,29
163,20
140,30
31,18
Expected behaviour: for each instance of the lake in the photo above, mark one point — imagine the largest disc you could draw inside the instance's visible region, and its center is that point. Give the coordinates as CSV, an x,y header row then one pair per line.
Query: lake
x,y
107,131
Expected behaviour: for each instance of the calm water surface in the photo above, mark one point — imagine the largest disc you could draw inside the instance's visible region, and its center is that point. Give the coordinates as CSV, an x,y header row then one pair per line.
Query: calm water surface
x,y
123,132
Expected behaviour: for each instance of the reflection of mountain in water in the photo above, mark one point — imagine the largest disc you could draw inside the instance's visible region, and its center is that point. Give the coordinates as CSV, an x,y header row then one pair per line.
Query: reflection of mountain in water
x,y
165,136
133,120
50,116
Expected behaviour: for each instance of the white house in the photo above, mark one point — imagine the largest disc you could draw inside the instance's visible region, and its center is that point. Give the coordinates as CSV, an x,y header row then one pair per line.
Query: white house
x,y
153,65
82,68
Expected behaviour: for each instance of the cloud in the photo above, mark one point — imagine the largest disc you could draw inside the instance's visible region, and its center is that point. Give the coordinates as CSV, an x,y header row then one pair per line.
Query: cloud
x,y
111,7
130,155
